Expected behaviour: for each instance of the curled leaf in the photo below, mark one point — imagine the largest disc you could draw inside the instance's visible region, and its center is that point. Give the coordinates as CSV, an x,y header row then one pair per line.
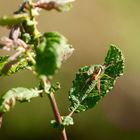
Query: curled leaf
x,y
67,121
59,5
12,20
8,100
61,2
51,52
55,87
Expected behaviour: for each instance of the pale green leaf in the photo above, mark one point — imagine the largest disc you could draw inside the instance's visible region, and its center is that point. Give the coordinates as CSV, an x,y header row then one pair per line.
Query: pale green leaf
x,y
67,121
8,100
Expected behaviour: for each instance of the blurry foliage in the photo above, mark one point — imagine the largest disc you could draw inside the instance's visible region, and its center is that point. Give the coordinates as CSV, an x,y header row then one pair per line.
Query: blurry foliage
x,y
117,21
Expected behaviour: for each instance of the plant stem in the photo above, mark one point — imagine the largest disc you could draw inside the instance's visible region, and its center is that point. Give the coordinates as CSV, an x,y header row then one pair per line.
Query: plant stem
x,y
54,105
57,115
1,114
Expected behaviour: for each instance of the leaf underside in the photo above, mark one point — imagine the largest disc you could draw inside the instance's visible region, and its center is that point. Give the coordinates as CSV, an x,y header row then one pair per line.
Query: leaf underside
x,y
8,100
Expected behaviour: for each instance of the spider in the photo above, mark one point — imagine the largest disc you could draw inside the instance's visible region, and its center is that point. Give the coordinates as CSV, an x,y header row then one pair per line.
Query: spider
x,y
96,75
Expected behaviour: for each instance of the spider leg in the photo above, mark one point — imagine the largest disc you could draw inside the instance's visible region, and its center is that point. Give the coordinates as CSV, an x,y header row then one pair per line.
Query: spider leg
x,y
108,76
98,86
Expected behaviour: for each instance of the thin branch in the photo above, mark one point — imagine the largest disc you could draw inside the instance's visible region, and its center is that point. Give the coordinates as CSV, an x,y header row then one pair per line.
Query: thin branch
x,y
57,114
47,86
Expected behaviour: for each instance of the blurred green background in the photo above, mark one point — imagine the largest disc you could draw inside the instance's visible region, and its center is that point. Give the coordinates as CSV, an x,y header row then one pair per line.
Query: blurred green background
x,y
90,26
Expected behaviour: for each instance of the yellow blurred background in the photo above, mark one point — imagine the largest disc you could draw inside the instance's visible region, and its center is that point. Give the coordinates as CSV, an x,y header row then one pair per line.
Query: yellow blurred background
x,y
90,26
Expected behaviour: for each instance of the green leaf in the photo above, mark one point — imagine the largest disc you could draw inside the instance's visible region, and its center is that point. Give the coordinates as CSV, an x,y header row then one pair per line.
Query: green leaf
x,y
55,87
67,121
54,124
12,67
85,93
26,37
12,20
115,62
8,100
20,65
3,61
31,29
51,52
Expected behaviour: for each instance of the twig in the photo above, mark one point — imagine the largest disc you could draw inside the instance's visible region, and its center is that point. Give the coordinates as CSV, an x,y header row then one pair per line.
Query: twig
x,y
47,85
57,115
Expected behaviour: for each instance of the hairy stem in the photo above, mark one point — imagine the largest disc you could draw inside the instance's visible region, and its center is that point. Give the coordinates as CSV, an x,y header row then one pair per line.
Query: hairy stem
x,y
57,115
